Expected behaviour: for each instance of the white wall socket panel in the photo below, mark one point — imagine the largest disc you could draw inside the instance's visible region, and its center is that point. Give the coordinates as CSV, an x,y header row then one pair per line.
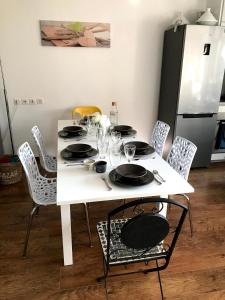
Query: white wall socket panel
x,y
39,101
28,101
32,101
24,101
16,101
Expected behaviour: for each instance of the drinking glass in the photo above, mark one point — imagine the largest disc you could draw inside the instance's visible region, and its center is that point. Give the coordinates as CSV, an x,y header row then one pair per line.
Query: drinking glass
x,y
129,151
89,125
115,137
102,143
115,156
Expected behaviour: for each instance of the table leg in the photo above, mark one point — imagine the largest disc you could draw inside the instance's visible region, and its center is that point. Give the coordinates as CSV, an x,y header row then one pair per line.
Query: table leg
x,y
164,210
66,235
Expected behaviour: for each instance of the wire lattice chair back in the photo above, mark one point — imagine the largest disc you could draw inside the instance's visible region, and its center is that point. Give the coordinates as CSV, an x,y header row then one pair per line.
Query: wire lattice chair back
x,y
47,162
42,190
159,135
181,156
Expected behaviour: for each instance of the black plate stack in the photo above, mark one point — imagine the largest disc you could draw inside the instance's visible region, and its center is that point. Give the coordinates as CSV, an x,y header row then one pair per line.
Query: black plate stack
x,y
78,151
72,132
125,130
131,175
142,148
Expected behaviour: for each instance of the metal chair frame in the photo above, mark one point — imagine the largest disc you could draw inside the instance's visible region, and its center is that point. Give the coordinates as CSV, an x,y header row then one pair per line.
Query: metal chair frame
x,y
164,255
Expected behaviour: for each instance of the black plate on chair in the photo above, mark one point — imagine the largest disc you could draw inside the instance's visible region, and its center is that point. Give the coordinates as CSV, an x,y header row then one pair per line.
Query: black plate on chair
x,y
142,148
73,129
118,180
144,231
79,148
67,155
131,171
68,135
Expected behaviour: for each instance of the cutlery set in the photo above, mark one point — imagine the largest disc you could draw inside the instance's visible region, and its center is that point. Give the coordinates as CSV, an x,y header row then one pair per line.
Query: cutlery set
x,y
158,178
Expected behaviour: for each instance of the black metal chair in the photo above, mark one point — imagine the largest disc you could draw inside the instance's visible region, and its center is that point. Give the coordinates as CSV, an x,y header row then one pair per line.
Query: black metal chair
x,y
144,235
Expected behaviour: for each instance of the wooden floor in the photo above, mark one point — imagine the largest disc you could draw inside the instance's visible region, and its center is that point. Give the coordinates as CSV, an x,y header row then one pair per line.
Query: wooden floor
x,y
196,271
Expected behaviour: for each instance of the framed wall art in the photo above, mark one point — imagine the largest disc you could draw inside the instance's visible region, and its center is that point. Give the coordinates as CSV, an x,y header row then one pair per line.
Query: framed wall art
x,y
75,34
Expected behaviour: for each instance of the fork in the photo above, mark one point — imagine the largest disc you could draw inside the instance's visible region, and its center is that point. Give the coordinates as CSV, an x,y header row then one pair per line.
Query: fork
x,y
106,183
155,172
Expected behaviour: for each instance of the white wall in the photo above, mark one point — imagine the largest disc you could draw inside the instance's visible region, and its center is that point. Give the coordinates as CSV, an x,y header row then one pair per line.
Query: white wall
x,y
128,72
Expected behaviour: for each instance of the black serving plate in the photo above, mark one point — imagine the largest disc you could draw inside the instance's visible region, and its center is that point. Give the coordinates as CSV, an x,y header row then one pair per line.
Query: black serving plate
x,y
73,129
67,155
142,148
68,135
131,171
117,180
79,148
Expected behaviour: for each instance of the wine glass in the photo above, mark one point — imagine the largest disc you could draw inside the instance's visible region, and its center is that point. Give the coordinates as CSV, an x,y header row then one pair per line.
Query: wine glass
x,y
129,151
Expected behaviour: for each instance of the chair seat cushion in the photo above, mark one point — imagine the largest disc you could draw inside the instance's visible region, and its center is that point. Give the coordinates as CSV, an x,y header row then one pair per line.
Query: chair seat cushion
x,y
119,252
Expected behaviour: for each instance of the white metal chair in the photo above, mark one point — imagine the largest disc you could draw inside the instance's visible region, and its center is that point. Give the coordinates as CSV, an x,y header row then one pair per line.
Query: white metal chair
x,y
48,162
159,135
42,190
180,159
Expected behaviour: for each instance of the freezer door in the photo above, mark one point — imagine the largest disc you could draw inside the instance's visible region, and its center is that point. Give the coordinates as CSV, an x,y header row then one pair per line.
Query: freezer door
x,y
202,69
201,131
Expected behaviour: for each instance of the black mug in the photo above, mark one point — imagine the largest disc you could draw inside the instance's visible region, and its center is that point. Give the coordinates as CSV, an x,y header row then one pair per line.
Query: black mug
x,y
100,166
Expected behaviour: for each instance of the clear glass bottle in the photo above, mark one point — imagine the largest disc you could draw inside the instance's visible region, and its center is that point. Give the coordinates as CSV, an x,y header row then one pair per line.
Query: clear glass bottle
x,y
114,114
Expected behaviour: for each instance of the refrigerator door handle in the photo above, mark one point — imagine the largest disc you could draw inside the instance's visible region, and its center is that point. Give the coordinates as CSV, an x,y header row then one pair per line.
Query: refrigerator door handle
x,y
203,115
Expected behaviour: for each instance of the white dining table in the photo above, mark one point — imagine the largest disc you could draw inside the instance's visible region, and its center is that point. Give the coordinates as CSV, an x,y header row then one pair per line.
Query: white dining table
x,y
76,184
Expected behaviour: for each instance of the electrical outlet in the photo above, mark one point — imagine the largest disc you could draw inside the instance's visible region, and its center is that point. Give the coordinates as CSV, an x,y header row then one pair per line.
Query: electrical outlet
x,y
32,101
24,101
16,101
39,101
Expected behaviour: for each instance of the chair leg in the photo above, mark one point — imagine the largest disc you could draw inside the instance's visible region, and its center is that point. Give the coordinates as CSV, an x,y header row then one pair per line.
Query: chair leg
x,y
37,211
189,212
160,282
34,209
88,224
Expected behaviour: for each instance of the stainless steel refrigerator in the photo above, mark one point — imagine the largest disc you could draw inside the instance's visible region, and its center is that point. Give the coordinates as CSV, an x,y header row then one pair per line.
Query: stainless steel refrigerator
x,y
191,81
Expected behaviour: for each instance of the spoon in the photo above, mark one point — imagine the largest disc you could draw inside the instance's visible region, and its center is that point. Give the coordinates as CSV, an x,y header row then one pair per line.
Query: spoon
x,y
106,183
155,172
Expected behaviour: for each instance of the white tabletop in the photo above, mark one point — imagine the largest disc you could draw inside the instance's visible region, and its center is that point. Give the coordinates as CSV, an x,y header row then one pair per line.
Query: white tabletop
x,y
76,184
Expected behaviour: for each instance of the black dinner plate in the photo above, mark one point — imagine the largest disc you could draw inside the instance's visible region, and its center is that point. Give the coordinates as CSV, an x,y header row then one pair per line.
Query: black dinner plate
x,y
142,148
131,171
68,135
122,128
129,133
79,148
117,180
73,129
67,155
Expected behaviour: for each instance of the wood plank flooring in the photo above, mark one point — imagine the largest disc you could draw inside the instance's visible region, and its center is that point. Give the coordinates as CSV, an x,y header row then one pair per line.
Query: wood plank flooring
x,y
196,271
